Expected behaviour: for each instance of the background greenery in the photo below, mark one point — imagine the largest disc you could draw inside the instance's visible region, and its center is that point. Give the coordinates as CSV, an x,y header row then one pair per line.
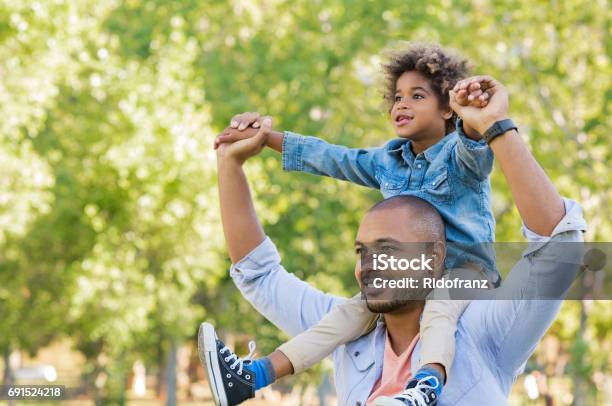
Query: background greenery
x,y
109,225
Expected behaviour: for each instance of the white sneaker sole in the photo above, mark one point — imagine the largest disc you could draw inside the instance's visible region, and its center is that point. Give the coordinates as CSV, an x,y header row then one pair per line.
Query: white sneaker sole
x,y
387,401
207,350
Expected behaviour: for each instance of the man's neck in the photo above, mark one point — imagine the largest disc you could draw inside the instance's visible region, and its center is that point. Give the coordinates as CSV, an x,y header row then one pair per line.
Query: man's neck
x,y
403,325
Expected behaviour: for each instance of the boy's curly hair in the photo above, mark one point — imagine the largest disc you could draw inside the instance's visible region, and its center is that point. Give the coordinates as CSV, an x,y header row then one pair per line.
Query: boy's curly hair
x,y
442,67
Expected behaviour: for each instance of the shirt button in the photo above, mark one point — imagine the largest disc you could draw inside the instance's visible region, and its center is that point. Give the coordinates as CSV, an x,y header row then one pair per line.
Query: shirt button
x,y
433,183
356,353
358,404
419,166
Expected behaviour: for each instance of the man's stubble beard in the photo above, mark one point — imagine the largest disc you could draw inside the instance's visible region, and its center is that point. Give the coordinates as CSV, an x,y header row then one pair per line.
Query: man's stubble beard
x,y
390,306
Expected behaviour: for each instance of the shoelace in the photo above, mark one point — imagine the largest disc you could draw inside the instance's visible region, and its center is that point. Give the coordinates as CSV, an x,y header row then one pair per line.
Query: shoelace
x,y
237,360
415,394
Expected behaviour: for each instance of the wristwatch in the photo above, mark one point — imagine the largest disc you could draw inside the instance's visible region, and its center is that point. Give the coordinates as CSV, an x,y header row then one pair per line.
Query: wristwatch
x,y
498,128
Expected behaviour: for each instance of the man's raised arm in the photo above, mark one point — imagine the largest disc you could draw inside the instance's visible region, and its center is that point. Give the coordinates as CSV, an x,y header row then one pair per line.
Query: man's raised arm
x,y
289,303
241,227
511,329
535,196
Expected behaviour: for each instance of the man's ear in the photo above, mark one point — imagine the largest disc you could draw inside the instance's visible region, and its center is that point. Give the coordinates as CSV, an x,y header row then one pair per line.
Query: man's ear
x,y
439,255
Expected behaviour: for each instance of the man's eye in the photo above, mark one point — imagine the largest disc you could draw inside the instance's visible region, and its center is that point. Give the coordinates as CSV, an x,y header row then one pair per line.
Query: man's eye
x,y
398,98
387,248
358,250
418,96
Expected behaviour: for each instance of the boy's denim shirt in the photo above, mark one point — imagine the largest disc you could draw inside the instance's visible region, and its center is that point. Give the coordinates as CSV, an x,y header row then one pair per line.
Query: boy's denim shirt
x,y
452,175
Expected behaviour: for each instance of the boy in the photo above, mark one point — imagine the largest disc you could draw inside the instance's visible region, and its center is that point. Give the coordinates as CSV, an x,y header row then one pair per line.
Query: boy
x,y
434,159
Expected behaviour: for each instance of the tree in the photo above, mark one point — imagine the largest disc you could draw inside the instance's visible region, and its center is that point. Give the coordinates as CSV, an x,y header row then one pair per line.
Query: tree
x,y
109,227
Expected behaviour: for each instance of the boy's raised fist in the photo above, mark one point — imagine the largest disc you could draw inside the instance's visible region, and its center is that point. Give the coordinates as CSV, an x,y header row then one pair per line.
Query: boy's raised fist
x,y
481,118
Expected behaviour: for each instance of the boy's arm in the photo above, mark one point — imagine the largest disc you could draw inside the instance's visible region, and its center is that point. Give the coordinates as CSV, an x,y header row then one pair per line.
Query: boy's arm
x,y
229,135
315,156
472,156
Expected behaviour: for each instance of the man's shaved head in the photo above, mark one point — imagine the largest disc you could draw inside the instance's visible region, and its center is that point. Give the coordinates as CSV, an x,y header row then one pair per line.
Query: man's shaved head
x,y
414,214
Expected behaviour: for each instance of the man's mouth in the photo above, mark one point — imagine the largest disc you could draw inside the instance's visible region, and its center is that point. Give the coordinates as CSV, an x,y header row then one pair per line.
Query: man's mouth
x,y
403,119
370,285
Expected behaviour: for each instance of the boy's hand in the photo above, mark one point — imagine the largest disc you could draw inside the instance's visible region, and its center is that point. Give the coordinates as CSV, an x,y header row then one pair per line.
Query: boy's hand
x,y
472,95
242,126
470,92
242,121
481,118
241,150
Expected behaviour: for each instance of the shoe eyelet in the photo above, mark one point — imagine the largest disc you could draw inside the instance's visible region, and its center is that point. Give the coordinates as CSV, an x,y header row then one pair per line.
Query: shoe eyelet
x,y
247,376
230,384
240,373
232,367
228,376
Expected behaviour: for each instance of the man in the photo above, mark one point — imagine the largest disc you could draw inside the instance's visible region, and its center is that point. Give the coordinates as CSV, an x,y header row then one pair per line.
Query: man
x,y
494,337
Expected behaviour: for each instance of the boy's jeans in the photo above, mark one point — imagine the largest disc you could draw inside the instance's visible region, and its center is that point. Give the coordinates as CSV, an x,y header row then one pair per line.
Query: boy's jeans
x,y
350,320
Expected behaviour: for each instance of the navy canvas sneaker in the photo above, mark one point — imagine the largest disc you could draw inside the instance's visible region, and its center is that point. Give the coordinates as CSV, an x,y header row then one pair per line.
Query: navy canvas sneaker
x,y
421,392
231,381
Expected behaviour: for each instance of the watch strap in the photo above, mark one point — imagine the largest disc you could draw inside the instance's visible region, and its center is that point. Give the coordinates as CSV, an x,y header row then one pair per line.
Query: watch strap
x,y
498,128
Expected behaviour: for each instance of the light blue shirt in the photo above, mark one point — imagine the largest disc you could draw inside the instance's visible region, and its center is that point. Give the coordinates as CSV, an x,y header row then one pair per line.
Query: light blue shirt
x,y
452,175
494,338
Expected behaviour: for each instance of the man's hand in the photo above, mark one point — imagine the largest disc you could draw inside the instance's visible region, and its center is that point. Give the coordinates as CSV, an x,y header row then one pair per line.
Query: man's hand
x,y
230,135
242,126
495,108
244,148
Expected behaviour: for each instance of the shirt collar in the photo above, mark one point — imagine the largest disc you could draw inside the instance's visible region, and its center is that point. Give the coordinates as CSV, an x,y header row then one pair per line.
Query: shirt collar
x,y
379,342
431,152
403,148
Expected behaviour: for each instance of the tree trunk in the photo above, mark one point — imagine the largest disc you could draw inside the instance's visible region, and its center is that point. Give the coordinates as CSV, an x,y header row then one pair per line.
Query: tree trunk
x,y
9,375
171,374
160,387
579,389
